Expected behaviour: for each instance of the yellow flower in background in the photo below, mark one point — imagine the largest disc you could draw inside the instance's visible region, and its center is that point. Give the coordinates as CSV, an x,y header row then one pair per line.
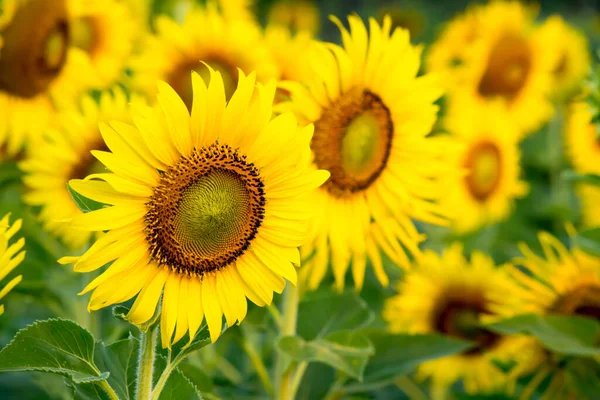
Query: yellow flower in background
x,y
64,154
490,158
511,62
288,51
208,37
560,282
295,15
37,69
583,149
448,55
372,117
10,254
211,207
452,296
571,55
103,30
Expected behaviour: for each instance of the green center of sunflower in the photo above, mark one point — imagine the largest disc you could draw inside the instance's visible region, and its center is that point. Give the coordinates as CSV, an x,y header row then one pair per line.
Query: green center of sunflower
x,y
205,211
508,68
35,48
459,316
352,140
484,169
180,78
212,212
583,300
85,34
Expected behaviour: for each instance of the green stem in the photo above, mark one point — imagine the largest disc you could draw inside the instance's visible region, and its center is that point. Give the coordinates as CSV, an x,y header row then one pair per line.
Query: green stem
x,y
258,364
534,383
109,390
410,388
288,328
294,383
146,364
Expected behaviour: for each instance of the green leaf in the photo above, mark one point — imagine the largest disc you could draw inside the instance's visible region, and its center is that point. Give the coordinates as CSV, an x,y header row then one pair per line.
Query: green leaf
x,y
572,335
573,176
325,312
345,351
199,378
583,375
398,354
116,358
178,387
588,240
183,348
86,391
55,345
84,204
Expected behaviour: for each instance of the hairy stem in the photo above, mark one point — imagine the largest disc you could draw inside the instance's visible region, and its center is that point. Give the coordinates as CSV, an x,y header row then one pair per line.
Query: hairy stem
x,y
146,364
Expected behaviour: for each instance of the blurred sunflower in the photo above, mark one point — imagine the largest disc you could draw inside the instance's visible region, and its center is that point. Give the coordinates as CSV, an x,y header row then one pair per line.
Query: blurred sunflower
x,y
448,55
103,30
490,158
199,208
372,115
448,295
510,62
560,282
583,148
64,154
205,38
295,15
10,256
288,51
37,69
572,59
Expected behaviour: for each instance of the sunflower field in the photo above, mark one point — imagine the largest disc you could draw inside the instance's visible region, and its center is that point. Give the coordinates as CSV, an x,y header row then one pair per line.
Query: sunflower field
x,y
299,199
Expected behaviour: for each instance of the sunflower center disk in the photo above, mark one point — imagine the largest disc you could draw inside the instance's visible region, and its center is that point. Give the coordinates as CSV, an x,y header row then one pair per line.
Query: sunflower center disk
x,y
205,211
212,213
35,48
352,140
508,68
583,300
460,318
484,168
180,78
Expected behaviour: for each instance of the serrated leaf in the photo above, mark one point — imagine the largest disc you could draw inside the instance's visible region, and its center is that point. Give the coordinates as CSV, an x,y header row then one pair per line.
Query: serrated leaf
x,y
325,312
55,345
116,358
347,352
84,204
183,348
588,241
397,354
178,387
199,378
572,335
86,391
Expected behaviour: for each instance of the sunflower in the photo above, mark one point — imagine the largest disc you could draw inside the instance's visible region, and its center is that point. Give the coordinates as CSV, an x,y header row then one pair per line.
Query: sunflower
x,y
206,38
489,157
10,256
372,117
199,208
448,295
572,59
448,55
37,69
295,15
103,30
510,61
583,148
288,51
561,282
64,154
